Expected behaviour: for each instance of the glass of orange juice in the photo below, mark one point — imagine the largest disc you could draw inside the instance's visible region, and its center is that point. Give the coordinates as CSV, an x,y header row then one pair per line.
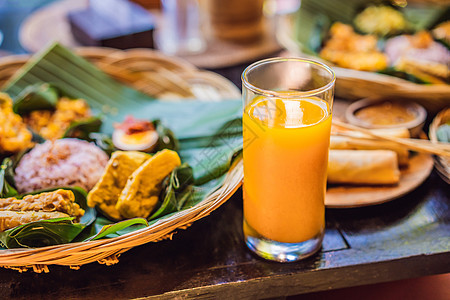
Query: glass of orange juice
x,y
286,128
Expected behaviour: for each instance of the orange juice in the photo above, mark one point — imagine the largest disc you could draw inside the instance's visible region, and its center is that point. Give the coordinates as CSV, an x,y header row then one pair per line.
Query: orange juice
x,y
285,162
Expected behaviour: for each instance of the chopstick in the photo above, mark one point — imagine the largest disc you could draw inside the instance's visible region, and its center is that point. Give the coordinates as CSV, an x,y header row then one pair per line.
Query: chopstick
x,y
423,146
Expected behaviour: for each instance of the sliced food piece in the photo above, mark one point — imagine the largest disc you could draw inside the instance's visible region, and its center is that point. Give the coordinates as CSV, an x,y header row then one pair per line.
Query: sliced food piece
x,y
10,219
56,201
141,193
137,135
106,192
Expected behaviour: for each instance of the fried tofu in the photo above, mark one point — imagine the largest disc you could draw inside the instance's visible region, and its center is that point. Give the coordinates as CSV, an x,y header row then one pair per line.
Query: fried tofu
x,y
141,192
106,192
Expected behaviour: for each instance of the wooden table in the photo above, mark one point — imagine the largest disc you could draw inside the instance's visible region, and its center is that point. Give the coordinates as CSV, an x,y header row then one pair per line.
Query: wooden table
x,y
405,238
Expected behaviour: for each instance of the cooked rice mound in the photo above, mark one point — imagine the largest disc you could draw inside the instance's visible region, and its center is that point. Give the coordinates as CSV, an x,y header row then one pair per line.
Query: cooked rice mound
x,y
64,162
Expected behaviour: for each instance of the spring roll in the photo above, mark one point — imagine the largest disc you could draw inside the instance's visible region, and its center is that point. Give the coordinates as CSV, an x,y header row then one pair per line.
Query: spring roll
x,y
60,200
11,219
371,167
348,143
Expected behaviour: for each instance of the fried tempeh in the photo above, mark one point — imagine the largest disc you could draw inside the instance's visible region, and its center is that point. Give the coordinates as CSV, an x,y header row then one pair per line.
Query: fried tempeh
x,y
11,219
62,201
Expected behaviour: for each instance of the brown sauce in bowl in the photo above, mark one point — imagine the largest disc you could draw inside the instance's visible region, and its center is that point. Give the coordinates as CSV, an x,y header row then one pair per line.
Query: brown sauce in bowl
x,y
386,113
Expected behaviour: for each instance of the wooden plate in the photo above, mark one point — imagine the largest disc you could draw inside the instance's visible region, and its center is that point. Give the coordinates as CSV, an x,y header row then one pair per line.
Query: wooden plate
x,y
420,167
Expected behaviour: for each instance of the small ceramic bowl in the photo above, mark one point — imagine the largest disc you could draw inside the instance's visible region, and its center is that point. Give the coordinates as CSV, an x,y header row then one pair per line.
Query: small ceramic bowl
x,y
414,126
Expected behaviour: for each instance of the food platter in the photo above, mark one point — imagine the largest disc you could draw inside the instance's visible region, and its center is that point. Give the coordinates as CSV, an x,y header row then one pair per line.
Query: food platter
x,y
176,82
419,169
358,84
106,250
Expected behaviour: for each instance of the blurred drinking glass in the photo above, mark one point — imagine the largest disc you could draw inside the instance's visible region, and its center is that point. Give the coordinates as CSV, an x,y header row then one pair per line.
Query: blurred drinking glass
x,y
286,124
180,31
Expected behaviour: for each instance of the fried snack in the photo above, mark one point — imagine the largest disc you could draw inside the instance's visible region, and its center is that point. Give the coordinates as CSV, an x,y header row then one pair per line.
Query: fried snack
x,y
57,201
141,192
11,219
52,125
363,167
348,49
14,135
348,143
106,192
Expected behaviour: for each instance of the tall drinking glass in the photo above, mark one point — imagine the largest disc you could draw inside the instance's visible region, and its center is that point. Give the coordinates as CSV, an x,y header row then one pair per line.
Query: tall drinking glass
x,y
286,124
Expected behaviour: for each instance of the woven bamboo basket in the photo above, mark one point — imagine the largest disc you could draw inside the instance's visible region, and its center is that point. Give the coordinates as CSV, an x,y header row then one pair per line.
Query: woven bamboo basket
x,y
158,76
441,163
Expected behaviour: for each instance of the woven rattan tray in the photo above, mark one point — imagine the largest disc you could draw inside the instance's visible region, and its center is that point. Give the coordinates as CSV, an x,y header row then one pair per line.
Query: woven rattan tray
x,y
158,76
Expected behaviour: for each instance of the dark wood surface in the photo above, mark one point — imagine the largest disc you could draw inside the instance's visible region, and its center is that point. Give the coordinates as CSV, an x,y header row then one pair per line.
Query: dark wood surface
x,y
405,238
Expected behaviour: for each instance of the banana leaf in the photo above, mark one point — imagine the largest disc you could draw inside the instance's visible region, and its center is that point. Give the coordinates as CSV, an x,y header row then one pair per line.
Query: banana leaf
x,y
209,134
176,190
36,97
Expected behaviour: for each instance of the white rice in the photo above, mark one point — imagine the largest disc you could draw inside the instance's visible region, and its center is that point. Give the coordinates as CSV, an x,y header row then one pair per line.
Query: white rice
x,y
64,162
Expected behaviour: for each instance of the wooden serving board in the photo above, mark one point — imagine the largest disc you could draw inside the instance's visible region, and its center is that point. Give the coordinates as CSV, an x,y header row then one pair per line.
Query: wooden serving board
x,y
420,167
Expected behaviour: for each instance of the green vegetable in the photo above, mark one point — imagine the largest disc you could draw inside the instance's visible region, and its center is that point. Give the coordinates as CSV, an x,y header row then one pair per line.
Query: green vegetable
x,y
166,138
6,188
82,129
177,188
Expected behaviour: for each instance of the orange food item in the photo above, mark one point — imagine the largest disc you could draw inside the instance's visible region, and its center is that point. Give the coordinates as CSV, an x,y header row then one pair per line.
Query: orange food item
x,y
285,163
348,49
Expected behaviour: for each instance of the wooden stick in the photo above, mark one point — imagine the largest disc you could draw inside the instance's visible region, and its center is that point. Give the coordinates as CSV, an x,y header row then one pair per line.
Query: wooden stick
x,y
423,146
